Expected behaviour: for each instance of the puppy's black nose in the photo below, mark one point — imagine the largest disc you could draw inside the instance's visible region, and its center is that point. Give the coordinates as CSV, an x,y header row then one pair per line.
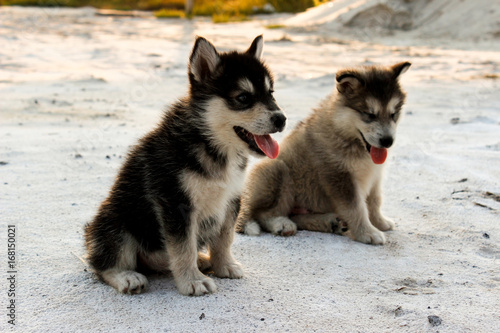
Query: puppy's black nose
x,y
386,141
279,121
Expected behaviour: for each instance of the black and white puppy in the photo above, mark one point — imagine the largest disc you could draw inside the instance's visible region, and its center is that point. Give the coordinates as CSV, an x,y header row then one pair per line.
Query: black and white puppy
x,y
178,191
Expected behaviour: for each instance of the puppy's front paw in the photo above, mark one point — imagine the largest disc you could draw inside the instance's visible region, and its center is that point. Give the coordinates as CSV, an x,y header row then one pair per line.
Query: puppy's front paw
x,y
282,226
231,270
196,287
383,224
130,282
370,236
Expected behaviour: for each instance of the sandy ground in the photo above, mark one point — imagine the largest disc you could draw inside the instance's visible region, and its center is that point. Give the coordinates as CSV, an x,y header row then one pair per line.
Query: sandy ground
x,y
78,89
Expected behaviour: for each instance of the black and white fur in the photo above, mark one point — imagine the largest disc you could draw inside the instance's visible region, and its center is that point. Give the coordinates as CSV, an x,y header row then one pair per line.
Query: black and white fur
x,y
179,188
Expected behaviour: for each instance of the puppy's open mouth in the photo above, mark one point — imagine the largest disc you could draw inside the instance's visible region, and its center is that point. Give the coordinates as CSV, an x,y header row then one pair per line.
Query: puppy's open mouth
x,y
368,146
261,144
378,155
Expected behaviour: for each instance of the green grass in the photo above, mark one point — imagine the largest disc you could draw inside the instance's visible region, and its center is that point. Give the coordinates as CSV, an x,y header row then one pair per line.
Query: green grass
x,y
169,13
291,6
227,11
275,26
225,18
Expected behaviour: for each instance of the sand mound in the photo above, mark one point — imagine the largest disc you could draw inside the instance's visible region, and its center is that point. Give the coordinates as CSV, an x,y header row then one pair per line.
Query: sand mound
x,y
381,15
467,19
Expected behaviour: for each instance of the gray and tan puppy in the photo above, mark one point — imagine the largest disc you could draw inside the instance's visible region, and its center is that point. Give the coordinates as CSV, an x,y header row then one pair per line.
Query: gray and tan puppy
x,y
331,165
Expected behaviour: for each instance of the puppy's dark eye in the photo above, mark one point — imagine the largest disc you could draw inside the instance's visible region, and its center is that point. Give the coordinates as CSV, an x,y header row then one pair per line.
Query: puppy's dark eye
x,y
243,98
395,115
271,91
370,117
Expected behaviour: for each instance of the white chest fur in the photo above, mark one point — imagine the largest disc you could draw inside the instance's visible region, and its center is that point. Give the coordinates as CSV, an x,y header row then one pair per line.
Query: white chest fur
x,y
210,197
366,174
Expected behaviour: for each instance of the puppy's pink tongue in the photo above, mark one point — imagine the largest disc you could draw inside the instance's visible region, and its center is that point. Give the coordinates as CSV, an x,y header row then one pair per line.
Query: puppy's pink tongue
x,y
378,155
268,145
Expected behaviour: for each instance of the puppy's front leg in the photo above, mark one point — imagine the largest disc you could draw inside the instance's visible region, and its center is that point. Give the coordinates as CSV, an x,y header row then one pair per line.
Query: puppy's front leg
x,y
374,201
348,202
183,255
355,213
223,263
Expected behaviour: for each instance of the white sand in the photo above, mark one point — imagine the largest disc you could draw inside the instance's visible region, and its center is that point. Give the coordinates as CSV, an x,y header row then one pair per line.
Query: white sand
x,y
78,89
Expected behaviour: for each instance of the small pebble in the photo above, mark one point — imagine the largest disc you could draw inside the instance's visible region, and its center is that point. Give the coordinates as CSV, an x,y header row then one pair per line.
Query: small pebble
x,y
434,320
202,316
398,312
485,235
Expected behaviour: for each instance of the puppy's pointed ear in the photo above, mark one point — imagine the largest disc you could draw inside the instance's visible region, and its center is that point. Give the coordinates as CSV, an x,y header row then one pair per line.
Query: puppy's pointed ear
x,y
203,60
257,47
400,68
348,82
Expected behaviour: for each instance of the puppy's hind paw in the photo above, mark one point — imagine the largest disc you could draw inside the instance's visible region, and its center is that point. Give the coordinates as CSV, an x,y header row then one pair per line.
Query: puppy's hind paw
x,y
282,226
337,226
231,270
251,228
204,262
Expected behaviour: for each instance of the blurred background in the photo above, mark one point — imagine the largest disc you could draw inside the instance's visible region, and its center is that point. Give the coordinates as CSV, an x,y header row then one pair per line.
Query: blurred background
x,y
220,11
